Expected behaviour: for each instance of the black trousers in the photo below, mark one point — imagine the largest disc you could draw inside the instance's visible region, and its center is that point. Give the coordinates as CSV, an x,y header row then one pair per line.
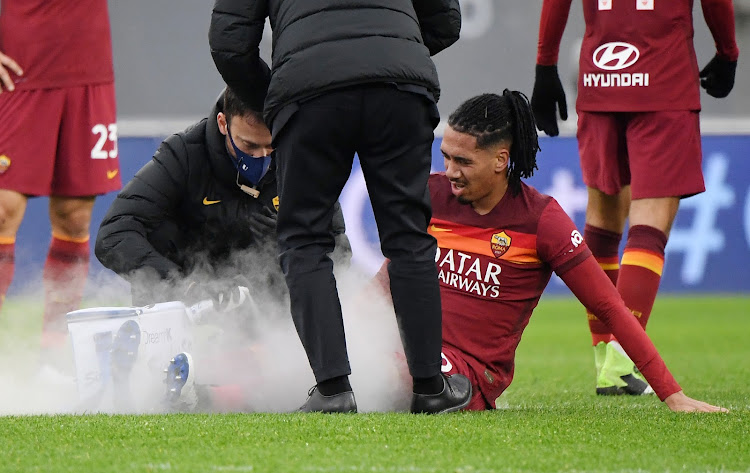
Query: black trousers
x,y
392,132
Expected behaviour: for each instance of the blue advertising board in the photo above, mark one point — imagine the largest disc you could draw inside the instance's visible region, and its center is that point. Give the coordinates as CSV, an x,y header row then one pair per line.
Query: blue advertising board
x,y
708,250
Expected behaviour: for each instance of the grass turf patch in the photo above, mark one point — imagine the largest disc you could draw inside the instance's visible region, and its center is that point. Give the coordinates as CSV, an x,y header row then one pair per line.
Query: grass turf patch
x,y
551,420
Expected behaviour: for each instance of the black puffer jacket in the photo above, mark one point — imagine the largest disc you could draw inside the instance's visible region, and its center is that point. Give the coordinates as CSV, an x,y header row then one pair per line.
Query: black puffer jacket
x,y
183,216
319,45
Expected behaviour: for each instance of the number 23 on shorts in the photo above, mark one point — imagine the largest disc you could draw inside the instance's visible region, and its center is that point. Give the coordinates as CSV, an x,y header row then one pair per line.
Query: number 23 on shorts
x,y
105,133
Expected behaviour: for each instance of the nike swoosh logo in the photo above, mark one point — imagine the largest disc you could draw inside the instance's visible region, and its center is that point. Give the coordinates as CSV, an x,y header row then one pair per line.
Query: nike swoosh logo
x,y
112,174
438,229
210,202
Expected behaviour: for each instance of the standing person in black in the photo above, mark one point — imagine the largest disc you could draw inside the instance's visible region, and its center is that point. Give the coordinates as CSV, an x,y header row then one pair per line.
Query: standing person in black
x,y
350,77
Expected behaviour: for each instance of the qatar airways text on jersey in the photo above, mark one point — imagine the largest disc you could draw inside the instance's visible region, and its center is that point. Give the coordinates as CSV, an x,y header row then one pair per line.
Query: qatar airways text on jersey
x,y
468,272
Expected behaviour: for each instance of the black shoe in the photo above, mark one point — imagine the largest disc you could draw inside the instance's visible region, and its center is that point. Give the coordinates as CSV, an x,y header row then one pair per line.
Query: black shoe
x,y
455,395
316,402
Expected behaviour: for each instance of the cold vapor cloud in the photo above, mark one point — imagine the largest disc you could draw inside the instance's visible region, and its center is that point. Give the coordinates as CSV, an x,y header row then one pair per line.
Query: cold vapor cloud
x,y
255,352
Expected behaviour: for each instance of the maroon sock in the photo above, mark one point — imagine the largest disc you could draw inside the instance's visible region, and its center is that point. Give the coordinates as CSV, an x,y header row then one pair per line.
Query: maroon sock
x,y
7,265
640,273
65,273
604,245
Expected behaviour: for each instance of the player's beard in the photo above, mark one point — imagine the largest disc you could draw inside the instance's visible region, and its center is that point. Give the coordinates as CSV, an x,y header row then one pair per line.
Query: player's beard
x,y
461,199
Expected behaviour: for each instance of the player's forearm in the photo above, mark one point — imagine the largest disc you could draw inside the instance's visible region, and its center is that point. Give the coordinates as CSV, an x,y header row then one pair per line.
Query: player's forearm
x,y
595,291
719,15
552,22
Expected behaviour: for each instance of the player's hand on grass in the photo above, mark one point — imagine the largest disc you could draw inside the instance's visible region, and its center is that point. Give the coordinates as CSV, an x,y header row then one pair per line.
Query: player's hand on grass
x,y
547,97
8,65
679,402
718,77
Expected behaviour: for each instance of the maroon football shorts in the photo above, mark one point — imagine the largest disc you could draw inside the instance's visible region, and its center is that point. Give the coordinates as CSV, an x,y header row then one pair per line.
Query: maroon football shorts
x,y
60,142
453,363
657,153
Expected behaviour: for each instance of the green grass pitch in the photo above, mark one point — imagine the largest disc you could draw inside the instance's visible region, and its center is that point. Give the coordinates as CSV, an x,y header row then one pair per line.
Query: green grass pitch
x,y
551,420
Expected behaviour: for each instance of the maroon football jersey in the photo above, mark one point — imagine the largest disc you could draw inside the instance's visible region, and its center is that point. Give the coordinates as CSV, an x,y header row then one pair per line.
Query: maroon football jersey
x,y
637,55
493,269
57,43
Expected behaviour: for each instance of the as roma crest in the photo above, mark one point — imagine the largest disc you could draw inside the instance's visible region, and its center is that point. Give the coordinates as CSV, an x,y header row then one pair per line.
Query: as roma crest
x,y
500,242
275,202
4,163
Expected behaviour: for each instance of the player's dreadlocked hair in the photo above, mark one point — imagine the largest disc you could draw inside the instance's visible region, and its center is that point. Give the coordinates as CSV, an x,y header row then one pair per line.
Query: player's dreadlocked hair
x,y
492,118
234,106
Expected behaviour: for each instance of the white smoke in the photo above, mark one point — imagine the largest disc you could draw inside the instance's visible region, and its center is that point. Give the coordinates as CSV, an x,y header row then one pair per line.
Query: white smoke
x,y
258,353
28,384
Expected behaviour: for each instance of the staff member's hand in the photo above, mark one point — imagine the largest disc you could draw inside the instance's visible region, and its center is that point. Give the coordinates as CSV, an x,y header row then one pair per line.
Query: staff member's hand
x,y
8,64
222,293
262,224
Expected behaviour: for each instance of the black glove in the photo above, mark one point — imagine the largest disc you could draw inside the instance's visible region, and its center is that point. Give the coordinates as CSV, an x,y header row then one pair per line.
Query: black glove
x,y
221,292
718,77
262,225
548,94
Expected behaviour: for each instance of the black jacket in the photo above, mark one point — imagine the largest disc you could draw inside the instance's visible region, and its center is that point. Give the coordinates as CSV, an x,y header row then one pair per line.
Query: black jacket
x,y
320,45
183,216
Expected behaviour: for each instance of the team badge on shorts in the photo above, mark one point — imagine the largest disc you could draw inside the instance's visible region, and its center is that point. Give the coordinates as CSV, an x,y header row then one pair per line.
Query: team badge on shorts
x,y
4,163
275,202
500,242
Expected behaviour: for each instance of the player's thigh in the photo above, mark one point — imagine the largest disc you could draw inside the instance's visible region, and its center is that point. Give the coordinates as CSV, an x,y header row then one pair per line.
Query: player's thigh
x,y
12,208
603,151
454,364
88,162
70,217
29,128
665,154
